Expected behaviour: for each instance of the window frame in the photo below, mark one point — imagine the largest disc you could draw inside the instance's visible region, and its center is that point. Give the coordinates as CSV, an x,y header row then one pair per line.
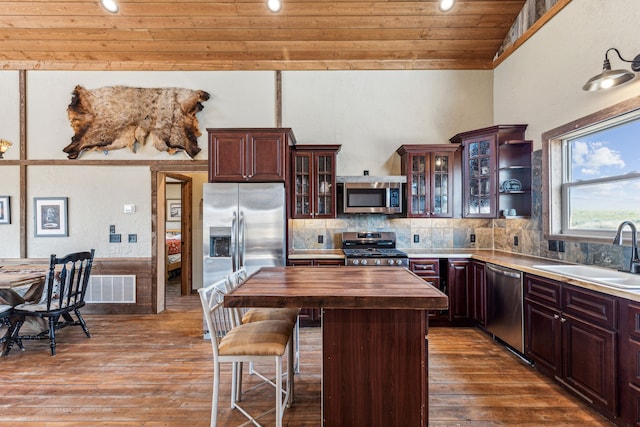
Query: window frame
x,y
553,154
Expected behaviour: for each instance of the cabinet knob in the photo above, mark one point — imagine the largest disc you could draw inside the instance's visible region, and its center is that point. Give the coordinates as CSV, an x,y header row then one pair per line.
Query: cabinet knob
x,y
563,320
556,317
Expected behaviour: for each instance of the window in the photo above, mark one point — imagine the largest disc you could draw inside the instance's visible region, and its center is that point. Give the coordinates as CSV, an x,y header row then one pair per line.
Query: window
x,y
593,176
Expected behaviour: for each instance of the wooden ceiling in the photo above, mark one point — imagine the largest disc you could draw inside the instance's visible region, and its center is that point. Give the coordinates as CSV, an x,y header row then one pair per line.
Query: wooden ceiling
x,y
244,35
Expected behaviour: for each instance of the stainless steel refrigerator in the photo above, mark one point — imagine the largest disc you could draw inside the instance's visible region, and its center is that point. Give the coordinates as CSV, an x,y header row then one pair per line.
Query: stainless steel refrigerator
x,y
244,225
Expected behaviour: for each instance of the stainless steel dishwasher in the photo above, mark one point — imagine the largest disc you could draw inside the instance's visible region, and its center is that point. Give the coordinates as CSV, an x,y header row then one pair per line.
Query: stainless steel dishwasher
x,y
504,305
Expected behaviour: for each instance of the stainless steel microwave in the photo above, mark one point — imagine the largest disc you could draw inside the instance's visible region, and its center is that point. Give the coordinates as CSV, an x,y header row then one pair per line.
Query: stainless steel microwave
x,y
372,197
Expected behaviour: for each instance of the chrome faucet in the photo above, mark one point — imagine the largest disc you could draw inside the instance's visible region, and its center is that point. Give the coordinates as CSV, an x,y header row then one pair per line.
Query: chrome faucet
x,y
634,265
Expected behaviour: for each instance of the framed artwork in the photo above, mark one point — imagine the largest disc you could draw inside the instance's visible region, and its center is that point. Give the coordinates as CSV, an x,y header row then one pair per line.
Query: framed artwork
x,y
5,210
50,216
174,210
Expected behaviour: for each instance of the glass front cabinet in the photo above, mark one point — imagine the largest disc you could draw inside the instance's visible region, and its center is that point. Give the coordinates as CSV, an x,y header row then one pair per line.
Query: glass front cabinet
x,y
431,171
496,172
314,181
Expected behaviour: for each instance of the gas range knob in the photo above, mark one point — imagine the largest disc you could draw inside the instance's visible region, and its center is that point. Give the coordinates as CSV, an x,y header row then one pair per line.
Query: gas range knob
x,y
377,262
355,262
390,262
363,262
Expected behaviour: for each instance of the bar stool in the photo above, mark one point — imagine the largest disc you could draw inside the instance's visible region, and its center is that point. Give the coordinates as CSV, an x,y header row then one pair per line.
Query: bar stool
x,y
264,341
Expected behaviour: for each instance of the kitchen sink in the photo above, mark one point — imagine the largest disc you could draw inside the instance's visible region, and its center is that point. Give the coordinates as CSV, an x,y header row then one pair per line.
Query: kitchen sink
x,y
613,278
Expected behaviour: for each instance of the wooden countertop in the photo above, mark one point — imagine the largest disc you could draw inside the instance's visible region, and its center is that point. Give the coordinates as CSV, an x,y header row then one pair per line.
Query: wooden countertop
x,y
521,262
337,287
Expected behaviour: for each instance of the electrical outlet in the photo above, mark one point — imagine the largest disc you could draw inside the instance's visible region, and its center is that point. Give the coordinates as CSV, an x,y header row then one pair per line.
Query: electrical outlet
x,y
115,238
515,241
416,238
553,245
560,245
366,173
320,238
133,238
472,238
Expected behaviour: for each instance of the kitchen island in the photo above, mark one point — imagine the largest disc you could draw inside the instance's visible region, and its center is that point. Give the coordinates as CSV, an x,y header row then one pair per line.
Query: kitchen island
x,y
374,337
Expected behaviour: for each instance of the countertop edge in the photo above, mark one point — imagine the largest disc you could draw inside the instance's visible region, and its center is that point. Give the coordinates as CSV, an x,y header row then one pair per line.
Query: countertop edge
x,y
521,262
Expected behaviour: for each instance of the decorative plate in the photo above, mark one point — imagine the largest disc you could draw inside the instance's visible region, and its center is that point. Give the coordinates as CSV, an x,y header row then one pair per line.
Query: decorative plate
x,y
511,185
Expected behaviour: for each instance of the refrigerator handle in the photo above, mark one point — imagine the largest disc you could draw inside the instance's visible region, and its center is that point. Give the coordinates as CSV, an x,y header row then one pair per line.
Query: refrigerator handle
x,y
241,240
234,253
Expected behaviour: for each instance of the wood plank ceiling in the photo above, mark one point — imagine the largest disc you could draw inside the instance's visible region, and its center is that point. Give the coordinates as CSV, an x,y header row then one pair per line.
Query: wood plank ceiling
x,y
244,35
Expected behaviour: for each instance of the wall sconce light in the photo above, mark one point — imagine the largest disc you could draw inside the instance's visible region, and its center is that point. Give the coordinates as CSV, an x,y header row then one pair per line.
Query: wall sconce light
x,y
609,78
4,146
274,5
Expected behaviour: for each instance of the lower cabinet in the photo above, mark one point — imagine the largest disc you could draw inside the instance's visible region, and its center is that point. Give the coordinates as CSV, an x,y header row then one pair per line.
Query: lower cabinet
x,y
630,362
312,316
478,292
451,276
570,335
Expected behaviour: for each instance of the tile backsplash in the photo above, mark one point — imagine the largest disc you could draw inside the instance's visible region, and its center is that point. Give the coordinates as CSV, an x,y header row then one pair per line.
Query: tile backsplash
x,y
442,233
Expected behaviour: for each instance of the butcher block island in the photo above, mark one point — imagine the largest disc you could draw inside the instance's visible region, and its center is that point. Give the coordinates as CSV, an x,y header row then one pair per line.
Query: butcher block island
x,y
374,337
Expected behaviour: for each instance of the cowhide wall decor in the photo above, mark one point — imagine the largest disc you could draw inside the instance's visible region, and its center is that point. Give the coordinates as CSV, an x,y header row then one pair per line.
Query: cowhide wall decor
x,y
111,118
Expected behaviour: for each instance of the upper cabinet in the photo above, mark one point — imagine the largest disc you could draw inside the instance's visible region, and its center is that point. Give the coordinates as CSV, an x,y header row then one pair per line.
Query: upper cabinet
x,y
496,172
433,175
313,181
249,154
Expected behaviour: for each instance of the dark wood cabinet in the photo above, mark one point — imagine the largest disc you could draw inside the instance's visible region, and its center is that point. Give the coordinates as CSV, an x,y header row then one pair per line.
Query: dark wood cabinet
x,y
571,335
311,316
496,171
429,270
249,154
451,276
629,366
459,291
479,292
313,181
433,176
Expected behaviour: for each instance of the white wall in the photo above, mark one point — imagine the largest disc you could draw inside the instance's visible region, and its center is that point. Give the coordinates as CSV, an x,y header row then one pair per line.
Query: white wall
x,y
541,83
372,113
237,99
96,199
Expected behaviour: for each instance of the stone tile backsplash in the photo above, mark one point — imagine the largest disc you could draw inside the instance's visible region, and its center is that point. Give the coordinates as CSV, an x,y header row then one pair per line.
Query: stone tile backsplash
x,y
443,233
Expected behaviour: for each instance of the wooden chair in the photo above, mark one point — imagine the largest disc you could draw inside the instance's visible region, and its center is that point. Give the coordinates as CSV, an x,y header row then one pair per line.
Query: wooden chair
x,y
5,321
231,342
64,294
250,315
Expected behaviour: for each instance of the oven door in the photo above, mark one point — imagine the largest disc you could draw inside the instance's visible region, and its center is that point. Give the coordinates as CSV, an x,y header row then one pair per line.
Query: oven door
x,y
372,197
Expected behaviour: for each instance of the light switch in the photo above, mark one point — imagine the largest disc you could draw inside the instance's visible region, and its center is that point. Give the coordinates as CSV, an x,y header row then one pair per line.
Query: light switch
x,y
129,209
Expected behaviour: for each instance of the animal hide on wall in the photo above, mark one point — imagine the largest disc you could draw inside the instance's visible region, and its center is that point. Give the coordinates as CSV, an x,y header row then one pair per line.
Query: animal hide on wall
x,y
115,117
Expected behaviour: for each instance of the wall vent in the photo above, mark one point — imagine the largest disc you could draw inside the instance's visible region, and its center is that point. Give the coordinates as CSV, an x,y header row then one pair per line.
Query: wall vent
x,y
111,289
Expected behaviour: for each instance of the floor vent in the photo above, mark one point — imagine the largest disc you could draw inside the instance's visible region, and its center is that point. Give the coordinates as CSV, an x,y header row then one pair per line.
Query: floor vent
x,y
111,289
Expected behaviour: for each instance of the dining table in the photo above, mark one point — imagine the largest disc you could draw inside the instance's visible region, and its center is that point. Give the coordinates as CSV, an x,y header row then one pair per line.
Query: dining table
x,y
374,328
19,284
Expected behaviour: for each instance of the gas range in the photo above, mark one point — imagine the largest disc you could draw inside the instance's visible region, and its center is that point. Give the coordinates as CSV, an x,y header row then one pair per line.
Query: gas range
x,y
373,249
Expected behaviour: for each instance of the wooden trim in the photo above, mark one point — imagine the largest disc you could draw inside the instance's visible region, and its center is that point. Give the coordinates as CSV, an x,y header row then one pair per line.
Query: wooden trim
x,y
278,98
553,136
553,11
22,218
183,165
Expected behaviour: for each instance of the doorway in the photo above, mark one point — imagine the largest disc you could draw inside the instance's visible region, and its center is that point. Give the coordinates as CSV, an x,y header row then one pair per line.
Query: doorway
x,y
178,231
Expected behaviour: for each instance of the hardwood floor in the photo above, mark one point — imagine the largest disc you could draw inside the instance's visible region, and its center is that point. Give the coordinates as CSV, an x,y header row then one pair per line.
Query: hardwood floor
x,y
155,370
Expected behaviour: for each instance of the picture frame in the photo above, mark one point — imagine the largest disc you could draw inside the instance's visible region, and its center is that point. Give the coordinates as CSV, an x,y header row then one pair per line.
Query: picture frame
x,y
5,210
174,210
50,217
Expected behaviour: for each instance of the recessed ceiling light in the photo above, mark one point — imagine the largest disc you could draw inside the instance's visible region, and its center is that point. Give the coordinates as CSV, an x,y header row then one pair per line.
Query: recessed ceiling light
x,y
445,5
110,5
274,5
